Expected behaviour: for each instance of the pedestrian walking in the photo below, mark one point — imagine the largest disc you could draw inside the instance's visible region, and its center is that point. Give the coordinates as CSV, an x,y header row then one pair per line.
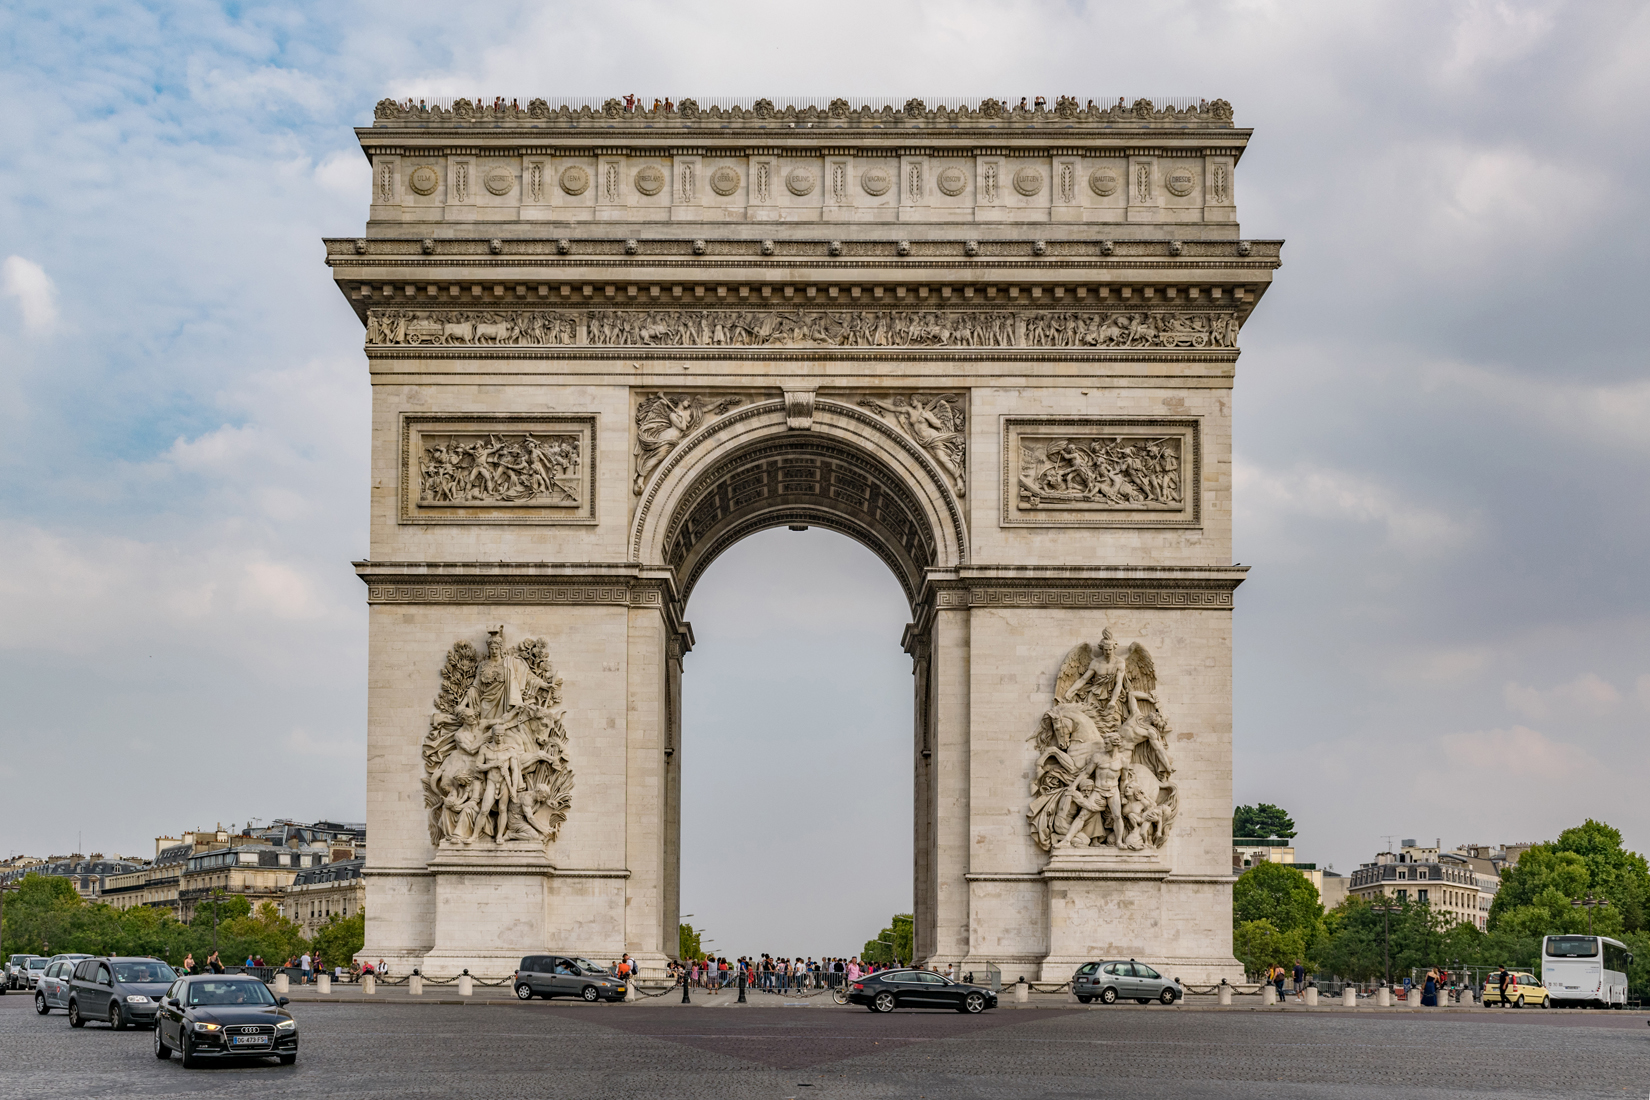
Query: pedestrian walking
x,y
1277,981
303,967
1300,980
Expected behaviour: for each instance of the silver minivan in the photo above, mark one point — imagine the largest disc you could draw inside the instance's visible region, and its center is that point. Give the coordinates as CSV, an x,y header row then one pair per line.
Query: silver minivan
x,y
1112,980
560,976
52,991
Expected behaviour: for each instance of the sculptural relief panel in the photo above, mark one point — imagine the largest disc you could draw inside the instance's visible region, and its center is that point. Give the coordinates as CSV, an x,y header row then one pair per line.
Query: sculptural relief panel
x,y
507,468
1101,472
1104,776
496,767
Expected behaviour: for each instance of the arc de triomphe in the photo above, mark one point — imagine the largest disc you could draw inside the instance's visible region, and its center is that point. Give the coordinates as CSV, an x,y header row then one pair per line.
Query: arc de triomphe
x,y
996,346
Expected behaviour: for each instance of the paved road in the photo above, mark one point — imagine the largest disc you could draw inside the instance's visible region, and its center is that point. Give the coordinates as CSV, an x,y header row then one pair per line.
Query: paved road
x,y
592,1052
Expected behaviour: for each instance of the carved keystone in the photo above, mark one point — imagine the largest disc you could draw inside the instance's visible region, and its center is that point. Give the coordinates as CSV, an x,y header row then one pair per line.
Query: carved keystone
x,y
799,410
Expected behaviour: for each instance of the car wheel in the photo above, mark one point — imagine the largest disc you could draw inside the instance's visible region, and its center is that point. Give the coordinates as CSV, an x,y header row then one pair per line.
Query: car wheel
x,y
974,1004
1084,998
40,1004
524,992
591,994
883,1002
1167,996
162,1051
1520,1002
75,1019
288,1059
116,1019
1547,1002
187,1050
1108,995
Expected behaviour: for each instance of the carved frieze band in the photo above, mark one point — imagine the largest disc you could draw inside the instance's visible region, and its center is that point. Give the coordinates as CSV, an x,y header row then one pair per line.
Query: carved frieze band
x,y
1190,598
494,593
1128,330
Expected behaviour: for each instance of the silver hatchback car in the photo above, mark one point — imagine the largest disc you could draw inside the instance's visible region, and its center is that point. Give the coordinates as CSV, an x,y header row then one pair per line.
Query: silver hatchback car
x,y
1109,981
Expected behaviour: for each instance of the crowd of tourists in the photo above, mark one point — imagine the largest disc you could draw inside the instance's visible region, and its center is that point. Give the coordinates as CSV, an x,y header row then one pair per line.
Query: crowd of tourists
x,y
775,974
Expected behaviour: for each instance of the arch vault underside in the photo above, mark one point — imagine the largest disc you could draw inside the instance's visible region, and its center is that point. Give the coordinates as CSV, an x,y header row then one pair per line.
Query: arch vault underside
x,y
603,353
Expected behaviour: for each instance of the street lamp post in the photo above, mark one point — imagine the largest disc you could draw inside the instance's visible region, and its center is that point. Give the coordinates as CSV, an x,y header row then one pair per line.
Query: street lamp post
x,y
1589,903
217,892
1385,906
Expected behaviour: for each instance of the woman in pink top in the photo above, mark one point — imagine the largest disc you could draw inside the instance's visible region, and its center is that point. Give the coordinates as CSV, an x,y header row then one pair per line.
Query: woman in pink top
x,y
853,970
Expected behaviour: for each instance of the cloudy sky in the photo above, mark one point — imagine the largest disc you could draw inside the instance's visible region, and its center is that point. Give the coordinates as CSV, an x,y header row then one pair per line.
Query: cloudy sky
x,y
1442,445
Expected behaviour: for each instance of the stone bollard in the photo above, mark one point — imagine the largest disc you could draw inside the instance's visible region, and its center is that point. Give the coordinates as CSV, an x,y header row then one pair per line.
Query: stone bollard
x,y
630,989
1383,997
1268,994
283,984
1349,997
415,985
1311,996
1412,997
1022,991
1225,993
466,985
369,984
323,983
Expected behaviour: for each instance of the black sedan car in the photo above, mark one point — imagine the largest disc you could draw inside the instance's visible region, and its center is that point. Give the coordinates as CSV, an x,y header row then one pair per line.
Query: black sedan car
x,y
887,990
224,1016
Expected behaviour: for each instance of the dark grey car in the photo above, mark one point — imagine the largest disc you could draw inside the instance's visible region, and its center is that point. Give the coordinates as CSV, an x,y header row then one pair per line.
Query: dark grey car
x,y
563,976
120,990
1118,979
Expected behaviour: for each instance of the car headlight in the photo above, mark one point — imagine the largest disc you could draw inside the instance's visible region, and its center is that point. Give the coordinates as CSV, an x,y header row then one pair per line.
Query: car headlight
x,y
287,1025
202,1025
136,999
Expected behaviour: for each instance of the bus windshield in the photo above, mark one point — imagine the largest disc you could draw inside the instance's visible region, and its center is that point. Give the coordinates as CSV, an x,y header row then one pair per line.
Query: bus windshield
x,y
1572,947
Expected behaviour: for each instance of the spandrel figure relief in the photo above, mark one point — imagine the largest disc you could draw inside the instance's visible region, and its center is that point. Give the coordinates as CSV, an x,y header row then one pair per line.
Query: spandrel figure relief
x,y
495,757
935,422
664,420
1121,472
517,469
1104,775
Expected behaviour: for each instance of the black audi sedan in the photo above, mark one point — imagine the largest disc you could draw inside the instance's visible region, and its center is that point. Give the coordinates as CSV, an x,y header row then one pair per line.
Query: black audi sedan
x,y
224,1016
887,990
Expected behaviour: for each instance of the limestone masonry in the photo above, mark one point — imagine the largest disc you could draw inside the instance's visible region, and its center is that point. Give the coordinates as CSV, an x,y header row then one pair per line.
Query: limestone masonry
x,y
996,346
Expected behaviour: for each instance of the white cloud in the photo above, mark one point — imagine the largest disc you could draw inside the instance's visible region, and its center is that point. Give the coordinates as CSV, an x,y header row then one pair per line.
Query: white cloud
x,y
346,172
1318,492
1519,752
1587,694
34,290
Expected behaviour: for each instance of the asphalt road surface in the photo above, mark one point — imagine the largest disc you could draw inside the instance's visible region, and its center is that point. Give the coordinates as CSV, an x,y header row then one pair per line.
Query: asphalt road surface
x,y
485,1050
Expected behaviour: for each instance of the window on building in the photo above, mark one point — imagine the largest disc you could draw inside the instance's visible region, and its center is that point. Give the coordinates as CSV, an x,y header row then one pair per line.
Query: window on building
x,y
1420,895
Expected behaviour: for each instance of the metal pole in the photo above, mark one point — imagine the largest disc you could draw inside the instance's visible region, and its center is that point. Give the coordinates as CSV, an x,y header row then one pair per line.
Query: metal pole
x,y
741,987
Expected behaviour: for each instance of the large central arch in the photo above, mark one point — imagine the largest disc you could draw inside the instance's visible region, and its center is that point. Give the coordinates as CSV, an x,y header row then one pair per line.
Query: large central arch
x,y
995,346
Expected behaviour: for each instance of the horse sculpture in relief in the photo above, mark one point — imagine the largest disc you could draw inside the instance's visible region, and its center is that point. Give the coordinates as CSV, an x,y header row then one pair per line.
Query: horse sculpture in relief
x,y
1104,775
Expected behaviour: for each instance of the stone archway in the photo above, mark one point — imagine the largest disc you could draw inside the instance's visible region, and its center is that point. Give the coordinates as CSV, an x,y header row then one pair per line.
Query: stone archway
x,y
996,347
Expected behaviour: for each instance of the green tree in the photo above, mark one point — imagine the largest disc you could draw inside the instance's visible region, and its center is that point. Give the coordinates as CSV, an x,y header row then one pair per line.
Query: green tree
x,y
339,938
688,944
1277,893
893,946
1264,820
1536,892
1258,944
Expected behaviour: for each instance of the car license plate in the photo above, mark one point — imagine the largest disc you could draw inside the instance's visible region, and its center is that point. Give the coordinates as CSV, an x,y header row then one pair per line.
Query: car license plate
x,y
249,1040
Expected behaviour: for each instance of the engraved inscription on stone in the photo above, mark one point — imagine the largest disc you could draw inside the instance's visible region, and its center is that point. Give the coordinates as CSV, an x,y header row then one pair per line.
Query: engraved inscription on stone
x,y
1104,181
1179,182
650,180
424,180
459,469
799,181
575,180
499,181
495,756
1028,181
1104,776
876,181
951,181
724,181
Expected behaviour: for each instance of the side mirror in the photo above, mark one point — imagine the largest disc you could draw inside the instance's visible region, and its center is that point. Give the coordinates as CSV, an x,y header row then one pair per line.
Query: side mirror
x,y
283,1001
175,1003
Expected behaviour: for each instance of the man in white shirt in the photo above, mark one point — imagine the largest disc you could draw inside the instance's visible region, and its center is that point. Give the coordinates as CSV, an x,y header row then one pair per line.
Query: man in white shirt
x,y
303,964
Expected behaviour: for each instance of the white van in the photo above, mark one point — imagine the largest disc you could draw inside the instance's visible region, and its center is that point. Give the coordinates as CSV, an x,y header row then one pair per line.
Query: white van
x,y
1584,971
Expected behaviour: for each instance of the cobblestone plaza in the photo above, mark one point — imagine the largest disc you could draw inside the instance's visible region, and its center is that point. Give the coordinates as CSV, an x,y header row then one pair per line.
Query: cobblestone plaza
x,y
501,1049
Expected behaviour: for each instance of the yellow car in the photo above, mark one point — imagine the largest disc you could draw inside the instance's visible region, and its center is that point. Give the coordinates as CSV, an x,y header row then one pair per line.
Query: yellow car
x,y
1523,988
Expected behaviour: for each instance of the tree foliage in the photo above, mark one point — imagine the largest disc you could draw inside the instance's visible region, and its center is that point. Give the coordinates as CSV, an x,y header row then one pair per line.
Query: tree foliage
x,y
339,938
1277,893
1264,820
45,916
1537,890
899,935
1259,944
688,945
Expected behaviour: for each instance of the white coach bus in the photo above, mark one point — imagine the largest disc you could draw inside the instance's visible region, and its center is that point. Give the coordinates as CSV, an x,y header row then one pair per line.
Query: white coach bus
x,y
1584,971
